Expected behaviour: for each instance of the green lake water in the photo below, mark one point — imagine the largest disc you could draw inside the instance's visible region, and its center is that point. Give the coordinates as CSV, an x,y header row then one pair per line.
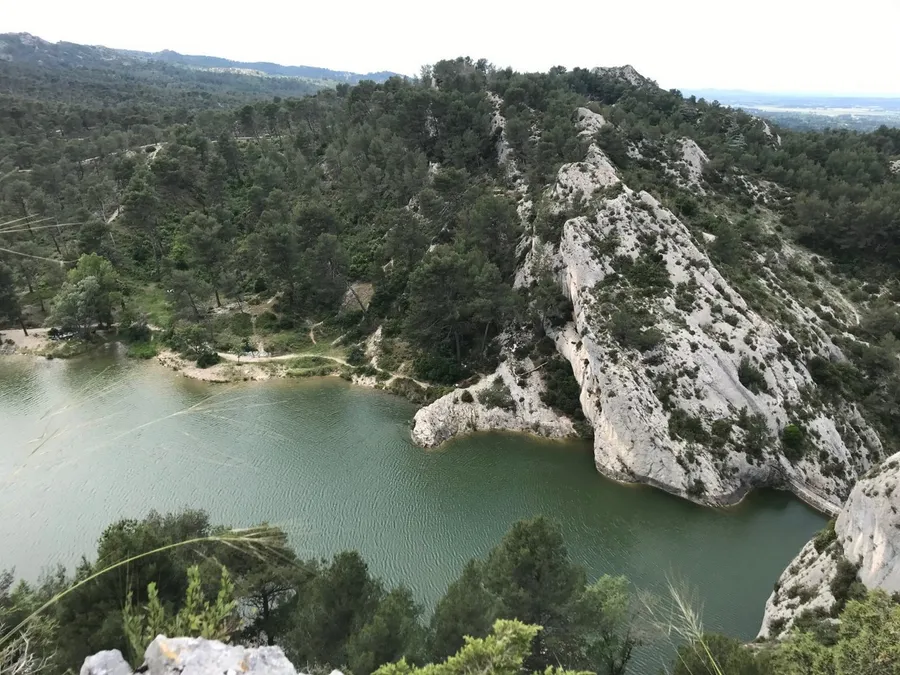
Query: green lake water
x,y
86,442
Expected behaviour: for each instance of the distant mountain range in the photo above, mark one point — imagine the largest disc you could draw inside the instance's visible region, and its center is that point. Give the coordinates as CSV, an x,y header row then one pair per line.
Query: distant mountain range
x,y
24,48
263,67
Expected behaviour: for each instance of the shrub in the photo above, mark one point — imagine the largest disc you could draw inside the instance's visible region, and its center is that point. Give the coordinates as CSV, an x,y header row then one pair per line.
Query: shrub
x,y
757,436
438,369
776,626
561,389
687,427
792,442
721,432
266,322
845,586
241,324
356,355
752,377
207,359
142,350
466,397
497,396
825,537
697,488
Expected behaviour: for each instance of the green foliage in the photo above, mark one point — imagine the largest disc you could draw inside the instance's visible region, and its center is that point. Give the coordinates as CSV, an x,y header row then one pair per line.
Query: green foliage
x,y
497,395
825,537
630,330
752,377
356,355
10,309
685,426
197,617
757,437
716,655
467,608
142,350
793,439
528,576
845,585
561,390
342,615
208,359
866,642
500,653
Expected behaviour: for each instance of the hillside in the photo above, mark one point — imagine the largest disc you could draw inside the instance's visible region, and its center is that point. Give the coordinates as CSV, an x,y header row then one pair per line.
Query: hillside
x,y
630,264
35,69
265,68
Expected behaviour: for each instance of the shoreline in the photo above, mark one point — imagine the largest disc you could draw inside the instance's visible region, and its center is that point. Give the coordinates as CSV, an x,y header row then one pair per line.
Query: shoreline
x,y
726,502
231,370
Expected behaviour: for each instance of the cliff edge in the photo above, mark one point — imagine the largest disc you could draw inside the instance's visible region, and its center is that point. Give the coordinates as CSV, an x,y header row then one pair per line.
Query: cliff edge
x,y
862,546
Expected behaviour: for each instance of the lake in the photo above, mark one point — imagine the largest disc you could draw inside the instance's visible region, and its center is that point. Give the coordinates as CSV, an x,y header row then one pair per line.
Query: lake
x,y
86,442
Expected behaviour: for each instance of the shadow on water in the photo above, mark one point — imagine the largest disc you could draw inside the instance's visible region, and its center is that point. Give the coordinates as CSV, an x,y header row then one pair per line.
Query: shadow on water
x,y
334,466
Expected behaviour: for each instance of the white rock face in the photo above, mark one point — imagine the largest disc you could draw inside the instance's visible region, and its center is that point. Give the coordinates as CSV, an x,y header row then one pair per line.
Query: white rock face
x,y
588,121
686,386
895,166
868,527
451,416
867,532
627,73
584,178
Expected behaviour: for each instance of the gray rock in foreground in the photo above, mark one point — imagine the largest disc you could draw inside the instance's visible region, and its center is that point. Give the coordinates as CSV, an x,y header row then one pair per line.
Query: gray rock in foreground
x,y
195,656
110,662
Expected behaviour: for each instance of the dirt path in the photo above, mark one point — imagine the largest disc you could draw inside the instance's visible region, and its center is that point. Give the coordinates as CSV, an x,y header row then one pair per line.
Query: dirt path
x,y
225,356
312,332
282,357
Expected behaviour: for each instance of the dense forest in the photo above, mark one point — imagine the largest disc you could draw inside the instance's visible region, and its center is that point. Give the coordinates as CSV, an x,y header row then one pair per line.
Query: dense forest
x,y
248,586
209,213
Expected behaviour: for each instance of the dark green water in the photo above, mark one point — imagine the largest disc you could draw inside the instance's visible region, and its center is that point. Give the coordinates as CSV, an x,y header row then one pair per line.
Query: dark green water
x,y
86,442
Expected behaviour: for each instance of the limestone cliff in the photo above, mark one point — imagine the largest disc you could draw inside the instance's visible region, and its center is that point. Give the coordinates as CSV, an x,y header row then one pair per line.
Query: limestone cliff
x,y
866,537
691,384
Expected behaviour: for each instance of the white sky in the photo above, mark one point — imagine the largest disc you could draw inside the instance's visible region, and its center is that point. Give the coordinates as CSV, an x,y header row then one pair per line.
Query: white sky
x,y
761,45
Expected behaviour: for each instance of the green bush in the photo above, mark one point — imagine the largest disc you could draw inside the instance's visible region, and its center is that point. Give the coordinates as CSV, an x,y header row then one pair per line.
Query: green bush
x,y
241,324
561,389
207,359
845,586
356,355
752,377
142,350
497,396
793,441
757,436
628,329
697,488
438,369
685,426
825,537
266,322
466,397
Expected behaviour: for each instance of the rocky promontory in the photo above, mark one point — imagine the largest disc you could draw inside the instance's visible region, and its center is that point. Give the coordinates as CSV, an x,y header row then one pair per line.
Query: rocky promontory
x,y
862,546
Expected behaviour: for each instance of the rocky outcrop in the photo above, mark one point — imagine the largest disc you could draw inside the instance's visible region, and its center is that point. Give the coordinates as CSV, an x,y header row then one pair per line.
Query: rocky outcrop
x,y
866,535
507,400
687,386
194,656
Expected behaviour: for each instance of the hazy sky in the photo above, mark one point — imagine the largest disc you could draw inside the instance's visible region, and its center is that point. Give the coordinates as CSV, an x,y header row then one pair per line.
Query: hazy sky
x,y
763,45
